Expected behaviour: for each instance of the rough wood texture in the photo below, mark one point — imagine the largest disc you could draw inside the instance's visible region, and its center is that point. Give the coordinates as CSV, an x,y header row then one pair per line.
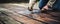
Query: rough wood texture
x,y
10,15
13,18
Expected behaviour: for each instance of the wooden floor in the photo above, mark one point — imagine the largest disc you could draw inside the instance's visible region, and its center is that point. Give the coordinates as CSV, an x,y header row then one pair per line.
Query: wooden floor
x,y
11,15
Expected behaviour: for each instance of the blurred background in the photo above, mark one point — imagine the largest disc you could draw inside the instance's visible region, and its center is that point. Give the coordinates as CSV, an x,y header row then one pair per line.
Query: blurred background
x,y
14,1
23,3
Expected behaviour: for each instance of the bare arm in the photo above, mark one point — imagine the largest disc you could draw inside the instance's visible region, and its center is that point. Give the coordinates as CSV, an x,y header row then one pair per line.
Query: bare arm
x,y
31,4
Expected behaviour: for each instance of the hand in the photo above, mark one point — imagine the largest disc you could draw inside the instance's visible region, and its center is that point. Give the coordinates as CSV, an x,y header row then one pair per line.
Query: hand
x,y
30,9
46,7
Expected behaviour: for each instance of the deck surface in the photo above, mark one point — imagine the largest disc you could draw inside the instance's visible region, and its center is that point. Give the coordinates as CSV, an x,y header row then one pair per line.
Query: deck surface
x,y
23,16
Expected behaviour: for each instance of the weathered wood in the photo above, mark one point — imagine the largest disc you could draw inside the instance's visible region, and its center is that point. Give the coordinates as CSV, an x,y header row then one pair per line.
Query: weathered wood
x,y
12,17
11,12
5,19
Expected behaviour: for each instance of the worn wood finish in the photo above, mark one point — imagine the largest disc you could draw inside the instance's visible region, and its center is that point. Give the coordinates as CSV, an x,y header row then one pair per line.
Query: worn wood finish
x,y
10,15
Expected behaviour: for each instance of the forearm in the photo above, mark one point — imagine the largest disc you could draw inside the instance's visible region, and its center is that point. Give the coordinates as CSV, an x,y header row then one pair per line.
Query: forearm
x,y
31,3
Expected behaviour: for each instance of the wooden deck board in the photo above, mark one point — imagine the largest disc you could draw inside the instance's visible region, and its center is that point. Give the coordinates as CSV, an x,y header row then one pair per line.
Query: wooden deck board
x,y
42,18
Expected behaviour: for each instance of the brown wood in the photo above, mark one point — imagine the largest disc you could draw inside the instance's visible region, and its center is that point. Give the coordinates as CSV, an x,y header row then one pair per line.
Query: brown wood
x,y
10,15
